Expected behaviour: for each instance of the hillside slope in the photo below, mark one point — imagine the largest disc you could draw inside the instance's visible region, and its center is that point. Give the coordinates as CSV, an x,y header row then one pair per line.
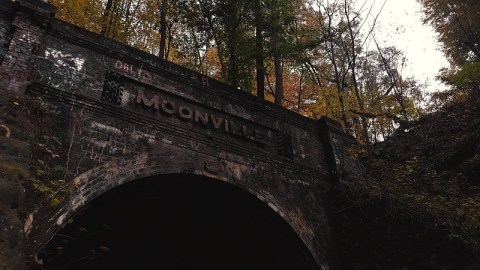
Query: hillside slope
x,y
419,205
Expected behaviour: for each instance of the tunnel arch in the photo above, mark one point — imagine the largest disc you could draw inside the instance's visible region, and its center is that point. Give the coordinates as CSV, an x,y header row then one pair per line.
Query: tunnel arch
x,y
101,180
176,221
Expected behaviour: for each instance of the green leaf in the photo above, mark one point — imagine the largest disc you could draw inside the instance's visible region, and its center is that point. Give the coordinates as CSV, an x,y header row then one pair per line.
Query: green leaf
x,y
54,202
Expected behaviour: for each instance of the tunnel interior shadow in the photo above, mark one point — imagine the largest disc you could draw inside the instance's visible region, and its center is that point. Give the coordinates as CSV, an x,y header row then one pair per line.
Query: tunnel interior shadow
x,y
176,222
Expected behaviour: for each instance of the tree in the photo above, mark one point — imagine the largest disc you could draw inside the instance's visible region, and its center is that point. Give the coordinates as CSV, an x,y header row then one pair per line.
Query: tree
x,y
163,28
362,88
226,26
84,13
458,25
389,97
106,17
259,52
280,16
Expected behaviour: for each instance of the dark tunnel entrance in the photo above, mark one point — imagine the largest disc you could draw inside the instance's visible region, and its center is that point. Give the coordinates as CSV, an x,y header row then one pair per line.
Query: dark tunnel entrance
x,y
176,222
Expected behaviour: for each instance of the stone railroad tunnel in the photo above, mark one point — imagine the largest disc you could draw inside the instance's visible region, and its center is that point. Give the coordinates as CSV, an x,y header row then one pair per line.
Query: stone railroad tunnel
x,y
111,158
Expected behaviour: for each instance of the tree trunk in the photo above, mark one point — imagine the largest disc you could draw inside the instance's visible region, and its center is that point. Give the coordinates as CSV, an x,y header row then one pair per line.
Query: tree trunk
x,y
353,63
278,79
340,88
259,60
170,38
163,29
218,42
300,92
105,19
338,78
233,72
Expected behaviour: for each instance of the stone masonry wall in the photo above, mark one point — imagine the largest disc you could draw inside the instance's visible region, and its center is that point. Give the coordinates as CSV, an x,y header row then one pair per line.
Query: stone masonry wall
x,y
5,29
80,70
113,105
14,155
29,29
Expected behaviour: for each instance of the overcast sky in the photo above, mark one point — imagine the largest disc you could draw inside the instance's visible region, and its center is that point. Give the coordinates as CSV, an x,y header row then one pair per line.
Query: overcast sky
x,y
400,24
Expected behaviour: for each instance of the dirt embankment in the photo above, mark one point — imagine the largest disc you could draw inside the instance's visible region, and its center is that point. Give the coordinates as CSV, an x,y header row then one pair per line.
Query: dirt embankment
x,y
419,205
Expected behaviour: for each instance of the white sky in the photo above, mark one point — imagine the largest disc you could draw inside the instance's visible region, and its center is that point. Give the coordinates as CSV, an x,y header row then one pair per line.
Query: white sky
x,y
400,24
